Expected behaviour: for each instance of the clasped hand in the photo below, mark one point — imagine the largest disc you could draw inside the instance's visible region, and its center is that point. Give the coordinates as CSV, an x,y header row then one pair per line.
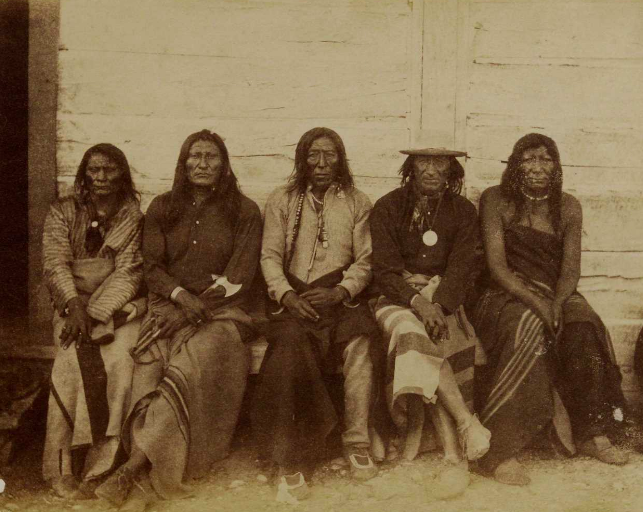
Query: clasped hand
x,y
433,317
303,306
78,325
551,315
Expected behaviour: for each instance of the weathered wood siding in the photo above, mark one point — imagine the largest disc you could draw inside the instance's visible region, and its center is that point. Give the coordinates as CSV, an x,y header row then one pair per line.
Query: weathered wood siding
x,y
572,70
477,74
145,74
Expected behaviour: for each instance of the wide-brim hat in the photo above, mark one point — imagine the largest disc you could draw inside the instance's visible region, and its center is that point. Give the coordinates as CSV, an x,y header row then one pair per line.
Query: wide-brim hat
x,y
432,152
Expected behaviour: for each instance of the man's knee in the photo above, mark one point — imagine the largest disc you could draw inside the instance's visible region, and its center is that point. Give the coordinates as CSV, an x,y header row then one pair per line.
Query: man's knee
x,y
357,354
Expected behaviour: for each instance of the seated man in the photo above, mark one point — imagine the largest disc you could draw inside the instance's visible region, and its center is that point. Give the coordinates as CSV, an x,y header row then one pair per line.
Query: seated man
x,y
426,254
201,251
93,267
316,259
550,356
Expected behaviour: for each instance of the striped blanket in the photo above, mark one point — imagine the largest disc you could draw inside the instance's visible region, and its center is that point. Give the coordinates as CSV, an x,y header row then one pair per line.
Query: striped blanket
x,y
414,360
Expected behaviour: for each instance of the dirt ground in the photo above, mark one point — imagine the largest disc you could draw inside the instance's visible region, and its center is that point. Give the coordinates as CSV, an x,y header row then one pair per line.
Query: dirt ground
x,y
234,484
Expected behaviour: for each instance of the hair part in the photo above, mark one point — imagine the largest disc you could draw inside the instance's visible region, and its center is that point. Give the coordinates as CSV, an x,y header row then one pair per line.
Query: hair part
x,y
226,191
512,178
455,181
298,180
127,191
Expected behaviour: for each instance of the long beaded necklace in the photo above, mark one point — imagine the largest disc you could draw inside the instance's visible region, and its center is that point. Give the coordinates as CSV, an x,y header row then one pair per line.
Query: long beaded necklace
x,y
295,232
322,234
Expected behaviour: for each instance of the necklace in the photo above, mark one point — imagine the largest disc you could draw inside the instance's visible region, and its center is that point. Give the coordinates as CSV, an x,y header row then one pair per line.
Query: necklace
x,y
430,237
534,198
322,233
317,200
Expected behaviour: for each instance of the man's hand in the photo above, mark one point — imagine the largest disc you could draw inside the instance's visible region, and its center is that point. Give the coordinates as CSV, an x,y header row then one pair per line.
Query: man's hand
x,y
168,324
192,307
299,307
78,326
545,311
433,317
325,297
557,314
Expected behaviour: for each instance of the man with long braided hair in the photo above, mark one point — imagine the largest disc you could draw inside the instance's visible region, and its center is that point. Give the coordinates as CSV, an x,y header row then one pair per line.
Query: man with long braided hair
x,y
316,259
550,358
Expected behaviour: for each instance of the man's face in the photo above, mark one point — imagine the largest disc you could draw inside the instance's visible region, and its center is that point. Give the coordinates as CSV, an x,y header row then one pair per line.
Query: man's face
x,y
431,173
537,168
322,161
203,164
103,175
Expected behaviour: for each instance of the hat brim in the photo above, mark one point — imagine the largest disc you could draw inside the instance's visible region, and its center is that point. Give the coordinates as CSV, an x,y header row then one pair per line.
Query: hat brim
x,y
432,152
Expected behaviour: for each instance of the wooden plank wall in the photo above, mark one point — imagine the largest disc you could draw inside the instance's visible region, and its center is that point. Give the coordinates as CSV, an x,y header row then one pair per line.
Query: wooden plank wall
x,y
145,74
477,74
572,70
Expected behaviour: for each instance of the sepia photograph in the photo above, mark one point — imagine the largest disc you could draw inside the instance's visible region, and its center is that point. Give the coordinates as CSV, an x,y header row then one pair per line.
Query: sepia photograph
x,y
321,255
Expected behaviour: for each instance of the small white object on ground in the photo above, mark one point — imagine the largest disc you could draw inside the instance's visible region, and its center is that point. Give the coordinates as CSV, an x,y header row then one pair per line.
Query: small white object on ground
x,y
236,483
262,478
283,496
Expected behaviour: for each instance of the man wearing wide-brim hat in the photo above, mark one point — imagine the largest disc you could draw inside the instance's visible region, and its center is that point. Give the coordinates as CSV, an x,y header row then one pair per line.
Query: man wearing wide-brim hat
x,y
427,253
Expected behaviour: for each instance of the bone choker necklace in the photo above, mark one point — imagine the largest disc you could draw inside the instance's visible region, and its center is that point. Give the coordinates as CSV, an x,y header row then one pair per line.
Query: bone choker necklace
x,y
533,198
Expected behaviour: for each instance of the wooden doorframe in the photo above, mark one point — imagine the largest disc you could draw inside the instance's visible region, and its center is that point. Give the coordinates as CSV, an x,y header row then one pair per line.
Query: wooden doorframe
x,y
439,73
44,28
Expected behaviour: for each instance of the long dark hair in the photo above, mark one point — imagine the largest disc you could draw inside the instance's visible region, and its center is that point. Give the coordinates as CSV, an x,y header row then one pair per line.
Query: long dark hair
x,y
298,180
127,192
227,192
455,179
511,182
81,184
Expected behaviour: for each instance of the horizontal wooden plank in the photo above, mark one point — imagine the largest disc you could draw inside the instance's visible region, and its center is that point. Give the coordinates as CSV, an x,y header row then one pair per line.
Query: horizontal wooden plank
x,y
614,297
557,31
608,181
581,141
624,333
564,92
259,148
179,87
170,25
602,213
628,265
258,191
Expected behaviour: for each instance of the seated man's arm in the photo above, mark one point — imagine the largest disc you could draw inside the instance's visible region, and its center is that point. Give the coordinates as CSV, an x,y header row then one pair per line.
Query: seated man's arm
x,y
464,263
57,258
273,247
359,274
388,263
122,286
491,207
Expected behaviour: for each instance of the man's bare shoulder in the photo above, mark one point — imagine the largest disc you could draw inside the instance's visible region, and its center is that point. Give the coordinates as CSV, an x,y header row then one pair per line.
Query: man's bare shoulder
x,y
492,195
570,206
